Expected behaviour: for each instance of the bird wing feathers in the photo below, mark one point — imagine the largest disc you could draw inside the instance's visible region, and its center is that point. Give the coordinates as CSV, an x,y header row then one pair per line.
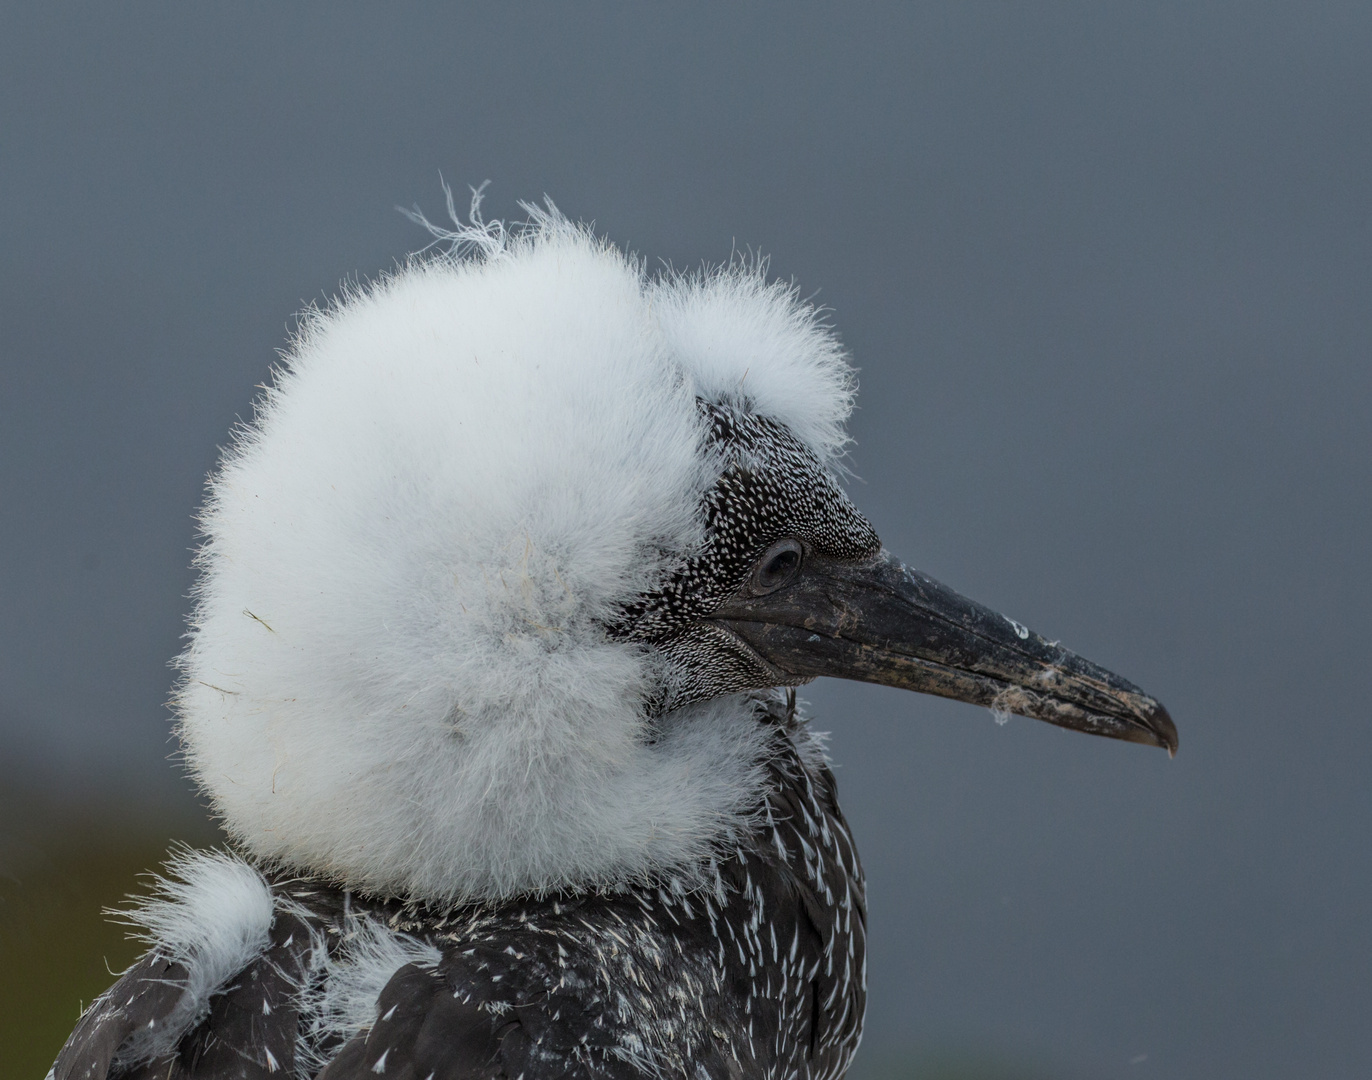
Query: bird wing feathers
x,y
249,1030
427,1028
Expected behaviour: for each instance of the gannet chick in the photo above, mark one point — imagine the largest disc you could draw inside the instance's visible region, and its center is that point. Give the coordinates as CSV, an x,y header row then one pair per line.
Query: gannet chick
x,y
503,595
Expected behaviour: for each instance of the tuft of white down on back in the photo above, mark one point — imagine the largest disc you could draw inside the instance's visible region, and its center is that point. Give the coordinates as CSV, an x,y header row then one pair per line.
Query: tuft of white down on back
x,y
342,998
398,674
212,913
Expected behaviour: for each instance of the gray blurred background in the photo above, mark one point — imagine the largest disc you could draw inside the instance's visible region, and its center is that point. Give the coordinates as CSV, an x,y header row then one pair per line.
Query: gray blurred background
x,y
1106,272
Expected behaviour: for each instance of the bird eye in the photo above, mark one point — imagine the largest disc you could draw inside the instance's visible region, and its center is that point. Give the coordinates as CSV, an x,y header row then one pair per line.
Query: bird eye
x,y
777,566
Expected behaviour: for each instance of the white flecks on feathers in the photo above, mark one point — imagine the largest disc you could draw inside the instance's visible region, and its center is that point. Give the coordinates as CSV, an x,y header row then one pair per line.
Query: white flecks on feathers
x,y
398,673
341,999
212,913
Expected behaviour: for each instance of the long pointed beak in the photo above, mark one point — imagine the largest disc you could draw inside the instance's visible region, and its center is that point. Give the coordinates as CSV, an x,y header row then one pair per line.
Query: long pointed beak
x,y
881,622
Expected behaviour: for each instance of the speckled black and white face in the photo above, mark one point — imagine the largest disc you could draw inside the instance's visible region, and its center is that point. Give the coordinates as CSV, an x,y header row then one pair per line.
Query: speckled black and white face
x,y
773,507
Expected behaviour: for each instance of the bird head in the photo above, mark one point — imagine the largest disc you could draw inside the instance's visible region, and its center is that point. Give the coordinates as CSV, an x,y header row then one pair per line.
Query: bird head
x,y
493,584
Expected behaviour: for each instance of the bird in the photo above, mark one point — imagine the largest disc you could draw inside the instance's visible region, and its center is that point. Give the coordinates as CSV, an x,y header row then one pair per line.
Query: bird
x,y
504,593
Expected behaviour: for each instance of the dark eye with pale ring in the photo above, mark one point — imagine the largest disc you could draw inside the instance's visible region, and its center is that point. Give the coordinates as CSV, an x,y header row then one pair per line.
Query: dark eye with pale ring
x,y
778,565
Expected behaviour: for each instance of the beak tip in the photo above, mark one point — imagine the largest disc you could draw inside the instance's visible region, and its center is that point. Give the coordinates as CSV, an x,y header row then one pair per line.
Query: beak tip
x,y
1164,730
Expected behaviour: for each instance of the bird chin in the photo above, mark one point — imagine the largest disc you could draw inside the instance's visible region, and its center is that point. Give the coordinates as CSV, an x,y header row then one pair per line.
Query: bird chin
x,y
734,666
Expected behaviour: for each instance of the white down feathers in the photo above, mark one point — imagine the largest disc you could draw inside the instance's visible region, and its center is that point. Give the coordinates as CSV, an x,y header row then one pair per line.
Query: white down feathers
x,y
397,673
212,913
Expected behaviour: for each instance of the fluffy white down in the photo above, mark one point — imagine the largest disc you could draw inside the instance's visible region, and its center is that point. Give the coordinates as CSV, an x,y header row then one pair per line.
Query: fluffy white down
x,y
212,912
397,674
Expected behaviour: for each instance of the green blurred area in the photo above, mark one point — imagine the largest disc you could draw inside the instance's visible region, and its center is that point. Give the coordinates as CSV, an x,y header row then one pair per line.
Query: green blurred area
x,y
61,866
